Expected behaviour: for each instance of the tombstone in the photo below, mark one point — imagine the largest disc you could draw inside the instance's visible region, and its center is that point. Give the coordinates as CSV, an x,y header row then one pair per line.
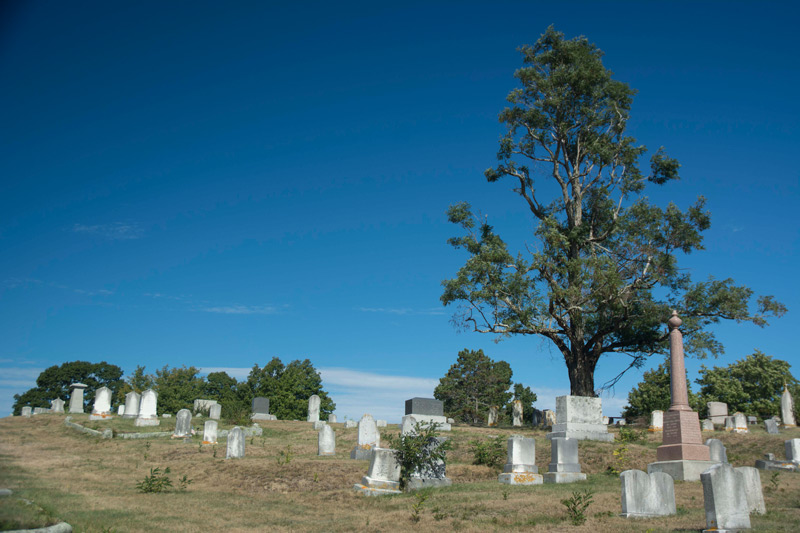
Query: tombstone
x,y
451,421
717,412
787,408
313,408
724,498
57,406
538,417
516,416
102,404
319,424
202,406
210,432
752,489
769,463
707,425
350,424
564,466
622,422
792,450
166,415
581,418
215,411
76,397
752,420
656,421
550,418
521,469
431,475
183,424
39,410
771,426
27,411
717,451
491,421
132,401
331,418
368,438
682,454
235,444
427,411
147,409
121,409
383,476
740,423
260,408
326,441
730,424
647,495
381,423
408,426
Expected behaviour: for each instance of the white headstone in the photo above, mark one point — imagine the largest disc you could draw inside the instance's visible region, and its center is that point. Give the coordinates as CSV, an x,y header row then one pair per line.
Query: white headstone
x,y
730,424
647,495
493,416
724,498
740,423
580,417
433,473
516,416
521,469
787,408
183,424
132,401
121,409
215,411
76,397
210,432
564,466
102,403
326,441
383,476
752,489
771,426
707,425
717,412
717,451
381,423
27,411
657,421
313,408
235,444
331,418
408,425
147,409
57,406
793,450
350,424
368,438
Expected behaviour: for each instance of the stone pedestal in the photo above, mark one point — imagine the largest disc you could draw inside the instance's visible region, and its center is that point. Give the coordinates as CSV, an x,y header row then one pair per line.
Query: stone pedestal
x,y
427,411
383,476
564,466
521,467
76,397
581,418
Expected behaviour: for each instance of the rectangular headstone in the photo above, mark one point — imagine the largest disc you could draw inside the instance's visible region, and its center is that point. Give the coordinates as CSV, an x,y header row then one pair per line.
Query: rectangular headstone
x,y
326,441
792,447
724,498
771,426
235,449
717,451
521,469
752,489
717,412
215,412
383,476
580,417
183,424
647,495
210,432
564,466
424,406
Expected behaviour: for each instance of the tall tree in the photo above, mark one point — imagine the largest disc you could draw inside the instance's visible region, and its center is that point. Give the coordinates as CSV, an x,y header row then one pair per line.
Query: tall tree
x,y
54,383
603,273
178,388
474,384
289,387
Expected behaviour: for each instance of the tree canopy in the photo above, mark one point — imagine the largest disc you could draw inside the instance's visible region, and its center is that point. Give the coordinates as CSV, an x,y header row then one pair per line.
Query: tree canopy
x,y
601,274
288,388
475,383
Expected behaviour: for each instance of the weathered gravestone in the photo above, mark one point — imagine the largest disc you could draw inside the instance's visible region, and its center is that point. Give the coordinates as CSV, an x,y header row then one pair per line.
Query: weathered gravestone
x,y
491,421
147,409
132,401
57,406
433,473
792,447
787,408
260,408
235,444
102,404
717,451
210,432
717,412
76,397
707,425
580,417
383,476
751,480
752,420
771,426
326,441
350,424
331,418
368,438
725,499
313,408
215,411
550,418
408,427
381,423
656,421
516,413
319,424
521,469
564,466
538,417
647,495
40,410
427,411
730,424
27,411
202,406
121,410
740,423
769,463
183,424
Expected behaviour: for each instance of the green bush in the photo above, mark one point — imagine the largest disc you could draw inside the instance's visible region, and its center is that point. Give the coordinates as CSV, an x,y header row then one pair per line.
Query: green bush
x,y
491,452
418,450
157,481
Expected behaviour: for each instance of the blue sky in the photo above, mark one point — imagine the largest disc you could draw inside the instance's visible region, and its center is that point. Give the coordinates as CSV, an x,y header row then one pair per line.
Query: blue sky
x,y
208,184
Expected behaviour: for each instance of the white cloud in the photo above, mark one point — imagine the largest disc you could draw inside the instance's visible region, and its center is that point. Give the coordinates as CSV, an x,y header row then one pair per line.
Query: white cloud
x,y
242,310
118,231
401,311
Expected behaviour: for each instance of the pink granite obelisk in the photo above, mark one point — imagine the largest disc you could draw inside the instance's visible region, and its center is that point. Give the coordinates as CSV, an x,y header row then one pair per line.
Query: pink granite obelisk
x,y
683,440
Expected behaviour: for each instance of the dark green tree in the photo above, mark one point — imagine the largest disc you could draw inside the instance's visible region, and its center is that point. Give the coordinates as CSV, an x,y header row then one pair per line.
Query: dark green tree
x,y
136,382
601,274
752,385
178,388
654,393
54,383
288,388
527,397
234,396
473,385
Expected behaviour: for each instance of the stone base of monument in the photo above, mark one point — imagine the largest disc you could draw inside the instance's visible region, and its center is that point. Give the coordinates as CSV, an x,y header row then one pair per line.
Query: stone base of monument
x,y
100,416
563,477
681,469
141,422
520,478
361,454
377,487
581,431
419,483
441,421
769,463
263,416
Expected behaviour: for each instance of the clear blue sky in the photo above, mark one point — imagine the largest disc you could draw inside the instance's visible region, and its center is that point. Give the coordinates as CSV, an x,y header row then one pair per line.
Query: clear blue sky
x,y
215,184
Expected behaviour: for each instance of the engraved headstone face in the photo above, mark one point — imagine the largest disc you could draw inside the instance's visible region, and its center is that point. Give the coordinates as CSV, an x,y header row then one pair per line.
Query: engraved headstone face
x,y
132,400
76,397
215,412
235,444
326,441
647,495
383,465
331,418
102,401
771,426
564,455
210,432
717,411
183,423
740,423
724,498
313,408
260,405
521,455
368,436
424,406
752,489
148,404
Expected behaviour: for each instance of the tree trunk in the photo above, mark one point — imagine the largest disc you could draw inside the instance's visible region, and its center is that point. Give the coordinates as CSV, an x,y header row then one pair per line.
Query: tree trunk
x,y
581,374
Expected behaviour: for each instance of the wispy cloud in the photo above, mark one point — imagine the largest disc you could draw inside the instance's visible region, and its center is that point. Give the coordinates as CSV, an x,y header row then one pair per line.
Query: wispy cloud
x,y
19,378
117,231
13,283
242,310
401,311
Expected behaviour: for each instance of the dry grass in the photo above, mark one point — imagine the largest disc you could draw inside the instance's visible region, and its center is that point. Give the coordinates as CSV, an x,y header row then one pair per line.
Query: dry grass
x,y
91,483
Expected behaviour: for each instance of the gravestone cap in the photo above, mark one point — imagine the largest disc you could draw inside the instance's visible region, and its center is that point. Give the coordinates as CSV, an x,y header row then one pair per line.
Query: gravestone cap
x,y
424,406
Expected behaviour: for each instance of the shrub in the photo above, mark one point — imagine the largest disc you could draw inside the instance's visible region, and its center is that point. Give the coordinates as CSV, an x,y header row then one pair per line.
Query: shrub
x,y
419,450
491,452
157,481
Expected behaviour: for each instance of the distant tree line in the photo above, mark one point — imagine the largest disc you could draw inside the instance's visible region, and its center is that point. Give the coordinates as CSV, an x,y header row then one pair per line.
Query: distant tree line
x,y
288,387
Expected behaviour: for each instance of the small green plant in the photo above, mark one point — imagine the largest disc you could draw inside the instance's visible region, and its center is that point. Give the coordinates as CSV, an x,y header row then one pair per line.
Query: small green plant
x,y
316,477
215,451
491,452
417,506
773,481
285,456
419,450
437,514
630,435
576,506
505,494
621,461
157,481
146,453
184,483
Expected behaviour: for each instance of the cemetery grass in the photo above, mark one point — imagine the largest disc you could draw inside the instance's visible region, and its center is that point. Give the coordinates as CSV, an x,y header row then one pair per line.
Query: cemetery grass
x,y
91,483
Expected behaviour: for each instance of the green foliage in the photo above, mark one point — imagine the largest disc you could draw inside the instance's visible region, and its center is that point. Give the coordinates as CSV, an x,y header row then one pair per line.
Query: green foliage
x,y
184,483
285,456
576,506
156,482
752,385
136,382
630,435
419,450
473,385
54,383
654,394
491,452
601,273
417,506
288,388
621,462
177,388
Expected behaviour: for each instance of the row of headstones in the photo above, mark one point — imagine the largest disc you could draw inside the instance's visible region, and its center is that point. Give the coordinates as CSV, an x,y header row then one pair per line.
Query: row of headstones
x,y
718,414
738,423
